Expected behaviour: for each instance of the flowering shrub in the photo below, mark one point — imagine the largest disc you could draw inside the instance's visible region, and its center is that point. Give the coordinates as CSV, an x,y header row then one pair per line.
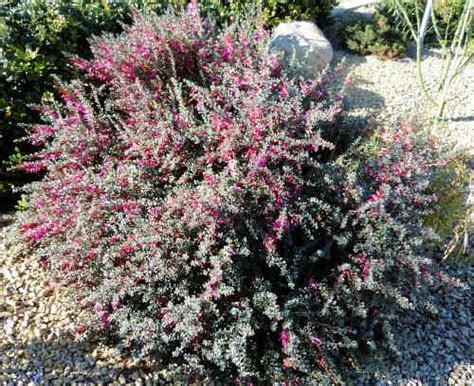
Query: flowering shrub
x,y
36,36
198,201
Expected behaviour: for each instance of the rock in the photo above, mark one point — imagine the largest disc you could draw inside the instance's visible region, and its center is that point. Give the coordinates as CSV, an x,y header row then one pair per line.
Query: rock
x,y
304,45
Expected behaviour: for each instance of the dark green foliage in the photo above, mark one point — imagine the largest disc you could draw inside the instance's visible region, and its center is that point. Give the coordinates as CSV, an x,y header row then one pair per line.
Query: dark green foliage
x,y
274,11
374,37
387,35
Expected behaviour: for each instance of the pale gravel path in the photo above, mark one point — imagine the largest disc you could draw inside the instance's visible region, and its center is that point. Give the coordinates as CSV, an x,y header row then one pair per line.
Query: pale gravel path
x,y
388,91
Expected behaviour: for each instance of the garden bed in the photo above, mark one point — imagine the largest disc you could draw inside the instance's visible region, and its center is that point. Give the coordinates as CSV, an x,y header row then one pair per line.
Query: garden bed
x,y
199,214
38,323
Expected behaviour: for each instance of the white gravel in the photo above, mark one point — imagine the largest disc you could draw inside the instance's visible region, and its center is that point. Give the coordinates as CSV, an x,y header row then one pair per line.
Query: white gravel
x,y
388,91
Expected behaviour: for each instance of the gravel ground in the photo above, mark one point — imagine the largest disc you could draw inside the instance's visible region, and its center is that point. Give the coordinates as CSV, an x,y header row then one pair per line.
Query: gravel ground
x,y
388,91
36,322
436,349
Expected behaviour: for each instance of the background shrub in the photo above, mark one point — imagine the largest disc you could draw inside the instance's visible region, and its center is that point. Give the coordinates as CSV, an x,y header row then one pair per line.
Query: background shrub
x,y
374,37
273,11
199,202
453,221
387,35
447,15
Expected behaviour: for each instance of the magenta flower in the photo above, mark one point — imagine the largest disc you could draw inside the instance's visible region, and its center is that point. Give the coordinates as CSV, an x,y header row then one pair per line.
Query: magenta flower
x,y
31,167
126,249
228,50
378,195
284,339
283,91
105,320
315,341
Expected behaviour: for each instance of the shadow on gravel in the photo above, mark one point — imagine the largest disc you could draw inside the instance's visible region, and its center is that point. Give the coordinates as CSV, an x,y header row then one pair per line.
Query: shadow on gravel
x,y
469,118
359,98
361,103
61,361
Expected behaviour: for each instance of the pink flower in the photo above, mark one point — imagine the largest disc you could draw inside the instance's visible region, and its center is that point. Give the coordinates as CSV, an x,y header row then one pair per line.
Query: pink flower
x,y
269,242
105,320
398,171
210,179
315,341
365,271
284,339
407,129
228,50
259,33
378,195
281,225
38,235
193,8
262,161
211,160
287,363
283,91
398,137
408,145
31,167
126,249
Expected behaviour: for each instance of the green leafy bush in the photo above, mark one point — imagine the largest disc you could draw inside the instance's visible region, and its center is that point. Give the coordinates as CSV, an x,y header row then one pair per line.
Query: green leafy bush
x,y
198,201
374,37
387,35
452,220
273,11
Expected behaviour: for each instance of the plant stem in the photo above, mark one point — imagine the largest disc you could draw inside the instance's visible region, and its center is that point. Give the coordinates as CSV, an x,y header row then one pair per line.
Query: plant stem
x,y
419,67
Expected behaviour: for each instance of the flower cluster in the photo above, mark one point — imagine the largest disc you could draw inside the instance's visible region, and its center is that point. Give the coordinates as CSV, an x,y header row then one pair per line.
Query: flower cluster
x,y
193,199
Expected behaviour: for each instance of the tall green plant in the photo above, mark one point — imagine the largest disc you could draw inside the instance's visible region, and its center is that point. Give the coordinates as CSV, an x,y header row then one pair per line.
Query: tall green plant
x,y
273,11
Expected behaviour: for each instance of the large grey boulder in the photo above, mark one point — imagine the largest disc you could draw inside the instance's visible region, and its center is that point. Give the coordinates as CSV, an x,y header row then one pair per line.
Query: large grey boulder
x,y
304,45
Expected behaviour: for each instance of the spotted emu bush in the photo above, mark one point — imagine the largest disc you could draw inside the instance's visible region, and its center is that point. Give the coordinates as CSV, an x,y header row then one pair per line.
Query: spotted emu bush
x,y
197,200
